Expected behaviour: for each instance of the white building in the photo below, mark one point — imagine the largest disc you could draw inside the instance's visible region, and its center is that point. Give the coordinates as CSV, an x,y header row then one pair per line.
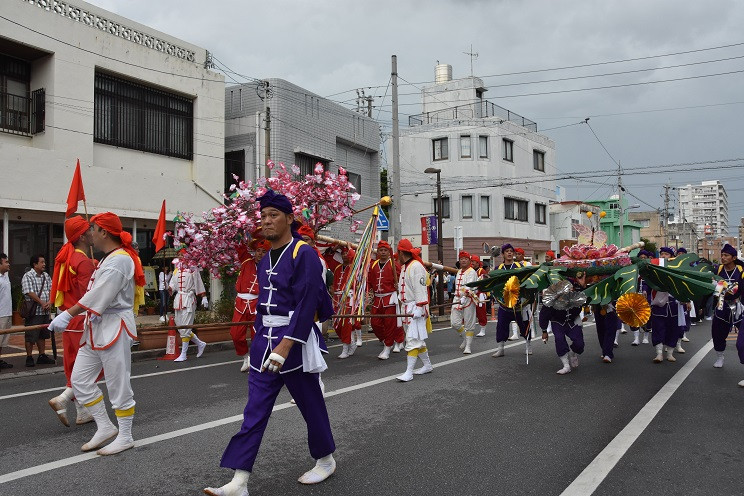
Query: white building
x,y
136,106
563,216
706,206
495,170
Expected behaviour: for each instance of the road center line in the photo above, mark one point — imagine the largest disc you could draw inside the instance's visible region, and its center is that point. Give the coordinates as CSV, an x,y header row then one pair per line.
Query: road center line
x,y
46,467
592,476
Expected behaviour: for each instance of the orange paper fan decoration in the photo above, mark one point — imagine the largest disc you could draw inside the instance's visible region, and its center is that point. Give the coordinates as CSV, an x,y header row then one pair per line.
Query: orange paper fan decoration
x,y
511,292
633,309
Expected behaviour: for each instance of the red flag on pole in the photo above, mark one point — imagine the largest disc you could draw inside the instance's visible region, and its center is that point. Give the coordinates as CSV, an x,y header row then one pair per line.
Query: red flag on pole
x,y
76,192
157,238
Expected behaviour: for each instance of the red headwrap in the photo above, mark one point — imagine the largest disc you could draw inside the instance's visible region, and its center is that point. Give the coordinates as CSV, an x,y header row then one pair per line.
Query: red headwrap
x,y
257,243
474,258
74,228
406,245
112,224
464,254
384,244
551,253
306,230
350,253
519,250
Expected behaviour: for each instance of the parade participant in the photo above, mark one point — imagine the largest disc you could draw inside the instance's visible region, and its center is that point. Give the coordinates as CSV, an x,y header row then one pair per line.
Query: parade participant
x,y
463,318
664,316
346,328
114,294
480,309
565,322
519,257
687,308
727,316
187,285
642,287
414,301
72,271
383,282
505,314
607,323
549,256
246,287
286,351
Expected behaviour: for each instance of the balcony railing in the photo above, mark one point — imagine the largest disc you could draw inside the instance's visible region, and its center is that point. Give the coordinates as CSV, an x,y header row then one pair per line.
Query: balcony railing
x,y
477,110
23,115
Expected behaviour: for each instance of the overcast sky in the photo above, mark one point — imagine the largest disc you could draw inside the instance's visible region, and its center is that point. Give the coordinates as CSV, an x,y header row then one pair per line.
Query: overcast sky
x,y
331,46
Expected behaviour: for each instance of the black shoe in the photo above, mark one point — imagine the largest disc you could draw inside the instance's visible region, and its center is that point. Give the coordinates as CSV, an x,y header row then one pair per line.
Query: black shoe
x,y
30,362
5,365
45,360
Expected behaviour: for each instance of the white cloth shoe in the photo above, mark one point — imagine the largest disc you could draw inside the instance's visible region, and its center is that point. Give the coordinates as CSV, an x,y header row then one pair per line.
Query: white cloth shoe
x,y
238,486
528,346
324,468
162,318
645,338
105,428
481,333
246,363
719,360
184,350
344,352
659,353
468,342
679,348
566,366
685,338
499,350
427,364
606,359
573,359
200,345
741,383
397,347
352,346
514,335
123,441
83,415
359,341
59,405
385,353
408,374
464,338
636,335
670,355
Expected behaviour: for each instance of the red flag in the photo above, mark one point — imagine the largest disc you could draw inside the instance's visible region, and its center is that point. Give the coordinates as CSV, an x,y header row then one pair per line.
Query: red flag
x,y
157,238
76,192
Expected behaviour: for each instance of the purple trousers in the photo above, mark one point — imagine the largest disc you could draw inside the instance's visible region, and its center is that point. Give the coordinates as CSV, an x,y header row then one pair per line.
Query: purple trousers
x,y
607,326
563,331
263,388
505,317
723,321
666,330
740,344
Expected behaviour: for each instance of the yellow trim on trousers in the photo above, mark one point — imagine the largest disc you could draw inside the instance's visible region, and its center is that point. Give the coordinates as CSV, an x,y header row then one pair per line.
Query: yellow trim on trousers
x,y
98,400
124,413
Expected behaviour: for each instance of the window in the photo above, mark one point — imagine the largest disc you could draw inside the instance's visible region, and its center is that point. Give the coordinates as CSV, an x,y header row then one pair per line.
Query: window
x,y
234,165
645,222
356,181
515,209
307,163
465,146
21,111
483,146
614,206
133,115
445,207
467,207
538,160
439,148
540,217
508,150
485,207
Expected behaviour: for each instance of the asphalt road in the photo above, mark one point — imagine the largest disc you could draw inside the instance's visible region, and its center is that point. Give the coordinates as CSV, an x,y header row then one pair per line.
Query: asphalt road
x,y
477,425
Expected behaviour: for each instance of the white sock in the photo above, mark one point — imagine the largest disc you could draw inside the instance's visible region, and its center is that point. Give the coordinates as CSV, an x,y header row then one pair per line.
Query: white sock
x,y
67,394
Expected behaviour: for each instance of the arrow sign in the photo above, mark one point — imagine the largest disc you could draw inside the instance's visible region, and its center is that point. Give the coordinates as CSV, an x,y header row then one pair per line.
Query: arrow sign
x,y
383,224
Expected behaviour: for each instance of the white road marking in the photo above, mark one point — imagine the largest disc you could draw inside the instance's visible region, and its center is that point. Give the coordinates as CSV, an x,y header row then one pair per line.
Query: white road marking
x,y
592,476
163,372
46,467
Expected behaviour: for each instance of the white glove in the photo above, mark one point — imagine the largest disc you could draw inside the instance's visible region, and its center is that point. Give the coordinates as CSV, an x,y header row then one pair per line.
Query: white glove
x,y
60,322
205,302
273,357
418,312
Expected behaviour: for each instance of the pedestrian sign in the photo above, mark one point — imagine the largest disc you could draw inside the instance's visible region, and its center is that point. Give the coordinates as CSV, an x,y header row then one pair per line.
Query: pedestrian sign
x,y
383,224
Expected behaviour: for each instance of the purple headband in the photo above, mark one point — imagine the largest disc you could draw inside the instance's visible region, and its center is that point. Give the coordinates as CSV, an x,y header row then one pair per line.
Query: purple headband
x,y
506,246
681,250
727,248
666,249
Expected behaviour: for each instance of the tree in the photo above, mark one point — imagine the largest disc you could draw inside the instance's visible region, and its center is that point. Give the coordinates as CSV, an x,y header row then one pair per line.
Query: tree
x,y
384,188
649,245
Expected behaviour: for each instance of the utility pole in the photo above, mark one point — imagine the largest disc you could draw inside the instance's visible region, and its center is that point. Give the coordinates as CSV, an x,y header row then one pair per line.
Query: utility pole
x,y
395,224
267,127
666,211
622,207
440,247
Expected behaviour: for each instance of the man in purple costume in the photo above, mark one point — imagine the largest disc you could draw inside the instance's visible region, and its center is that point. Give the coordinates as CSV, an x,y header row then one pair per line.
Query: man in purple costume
x,y
565,324
727,316
607,322
640,332
286,349
664,318
505,314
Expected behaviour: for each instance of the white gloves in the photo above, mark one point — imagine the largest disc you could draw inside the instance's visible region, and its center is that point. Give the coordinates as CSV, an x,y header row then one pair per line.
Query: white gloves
x,y
418,312
60,322
205,302
273,357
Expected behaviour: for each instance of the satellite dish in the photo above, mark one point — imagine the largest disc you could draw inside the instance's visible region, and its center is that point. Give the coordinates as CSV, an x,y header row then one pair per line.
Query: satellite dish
x,y
495,251
486,248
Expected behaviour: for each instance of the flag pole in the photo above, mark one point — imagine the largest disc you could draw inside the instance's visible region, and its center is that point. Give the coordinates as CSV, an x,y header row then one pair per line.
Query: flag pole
x,y
85,206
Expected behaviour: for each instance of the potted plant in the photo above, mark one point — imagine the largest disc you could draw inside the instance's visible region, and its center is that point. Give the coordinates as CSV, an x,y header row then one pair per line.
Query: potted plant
x,y
150,305
17,295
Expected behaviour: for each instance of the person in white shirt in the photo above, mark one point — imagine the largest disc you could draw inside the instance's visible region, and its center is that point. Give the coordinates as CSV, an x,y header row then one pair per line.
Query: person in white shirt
x,y
6,306
164,279
187,286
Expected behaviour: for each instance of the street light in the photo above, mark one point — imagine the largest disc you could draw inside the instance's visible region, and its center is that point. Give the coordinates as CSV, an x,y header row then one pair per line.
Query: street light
x,y
440,248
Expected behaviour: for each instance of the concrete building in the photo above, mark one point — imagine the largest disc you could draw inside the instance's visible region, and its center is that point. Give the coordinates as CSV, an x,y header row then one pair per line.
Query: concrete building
x,y
611,222
652,226
710,248
136,106
495,170
706,206
304,129
563,216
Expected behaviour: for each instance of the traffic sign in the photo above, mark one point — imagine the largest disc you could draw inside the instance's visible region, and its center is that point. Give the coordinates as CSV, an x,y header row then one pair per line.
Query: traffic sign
x,y
383,224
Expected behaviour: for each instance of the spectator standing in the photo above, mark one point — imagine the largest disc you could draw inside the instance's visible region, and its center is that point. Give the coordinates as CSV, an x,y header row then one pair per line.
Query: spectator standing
x,y
164,279
36,285
6,306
